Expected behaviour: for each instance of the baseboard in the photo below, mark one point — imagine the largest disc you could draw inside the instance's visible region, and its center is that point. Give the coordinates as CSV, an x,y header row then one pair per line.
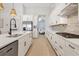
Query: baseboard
x,y
52,47
28,50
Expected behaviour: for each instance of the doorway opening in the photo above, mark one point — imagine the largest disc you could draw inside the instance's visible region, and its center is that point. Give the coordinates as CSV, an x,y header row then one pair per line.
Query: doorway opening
x,y
41,25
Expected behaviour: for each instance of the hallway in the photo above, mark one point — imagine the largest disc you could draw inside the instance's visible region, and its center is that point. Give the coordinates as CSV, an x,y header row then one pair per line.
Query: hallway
x,y
41,47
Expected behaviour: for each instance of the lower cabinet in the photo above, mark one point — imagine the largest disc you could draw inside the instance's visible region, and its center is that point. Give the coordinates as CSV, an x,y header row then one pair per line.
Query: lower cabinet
x,y
24,44
21,46
71,49
17,48
57,44
10,49
61,46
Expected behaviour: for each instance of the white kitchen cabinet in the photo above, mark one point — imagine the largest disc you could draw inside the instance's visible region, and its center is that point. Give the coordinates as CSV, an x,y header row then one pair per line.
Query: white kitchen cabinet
x,y
24,44
60,7
49,36
28,41
64,47
70,49
70,9
58,50
61,45
54,18
54,41
21,47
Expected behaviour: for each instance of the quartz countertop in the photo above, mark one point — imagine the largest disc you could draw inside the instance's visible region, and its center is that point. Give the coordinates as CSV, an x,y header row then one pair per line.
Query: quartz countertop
x,y
72,40
4,40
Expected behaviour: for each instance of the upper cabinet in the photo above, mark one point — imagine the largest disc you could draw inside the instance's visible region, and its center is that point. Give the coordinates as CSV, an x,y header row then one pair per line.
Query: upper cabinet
x,y
59,7
69,9
54,17
61,12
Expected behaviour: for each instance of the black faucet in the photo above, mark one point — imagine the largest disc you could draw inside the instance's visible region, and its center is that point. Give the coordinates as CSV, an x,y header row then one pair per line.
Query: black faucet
x,y
13,19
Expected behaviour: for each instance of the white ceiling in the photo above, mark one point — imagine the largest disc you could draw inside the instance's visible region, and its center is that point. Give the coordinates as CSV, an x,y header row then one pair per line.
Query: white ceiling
x,y
38,8
33,8
39,5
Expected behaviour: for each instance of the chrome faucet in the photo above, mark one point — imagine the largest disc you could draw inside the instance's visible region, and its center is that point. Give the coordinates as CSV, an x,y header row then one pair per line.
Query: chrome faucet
x,y
13,19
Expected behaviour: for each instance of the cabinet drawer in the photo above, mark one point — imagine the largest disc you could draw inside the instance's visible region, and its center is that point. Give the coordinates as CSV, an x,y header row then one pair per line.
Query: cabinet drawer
x,y
9,49
58,50
72,47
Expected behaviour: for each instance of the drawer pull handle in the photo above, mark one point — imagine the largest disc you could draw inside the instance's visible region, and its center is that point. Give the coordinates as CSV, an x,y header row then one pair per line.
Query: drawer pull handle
x,y
25,43
71,46
51,38
55,42
9,50
61,47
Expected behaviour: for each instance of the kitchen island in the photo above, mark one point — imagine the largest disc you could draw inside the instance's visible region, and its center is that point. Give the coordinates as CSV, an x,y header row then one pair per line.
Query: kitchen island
x,y
24,41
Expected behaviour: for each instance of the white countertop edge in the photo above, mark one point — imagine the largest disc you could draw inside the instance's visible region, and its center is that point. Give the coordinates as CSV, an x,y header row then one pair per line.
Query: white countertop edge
x,y
5,41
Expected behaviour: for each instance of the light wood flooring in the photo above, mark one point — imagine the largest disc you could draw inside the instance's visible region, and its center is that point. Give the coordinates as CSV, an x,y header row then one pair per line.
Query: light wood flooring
x,y
41,47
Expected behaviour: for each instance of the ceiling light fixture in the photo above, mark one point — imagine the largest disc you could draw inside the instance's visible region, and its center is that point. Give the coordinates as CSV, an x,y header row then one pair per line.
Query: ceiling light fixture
x,y
1,7
13,11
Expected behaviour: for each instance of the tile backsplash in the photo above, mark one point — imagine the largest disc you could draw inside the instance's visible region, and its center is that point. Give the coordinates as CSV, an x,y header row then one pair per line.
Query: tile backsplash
x,y
71,27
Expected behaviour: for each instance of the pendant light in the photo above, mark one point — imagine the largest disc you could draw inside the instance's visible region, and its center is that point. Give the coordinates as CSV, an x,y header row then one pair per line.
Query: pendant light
x,y
13,11
1,7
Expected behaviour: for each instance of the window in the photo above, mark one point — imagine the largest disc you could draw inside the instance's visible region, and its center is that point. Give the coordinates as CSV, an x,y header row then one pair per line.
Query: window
x,y
27,25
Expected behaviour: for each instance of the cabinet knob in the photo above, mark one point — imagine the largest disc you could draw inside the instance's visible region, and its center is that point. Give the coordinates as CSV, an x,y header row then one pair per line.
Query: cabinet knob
x,y
51,37
61,47
66,3
55,42
25,43
71,46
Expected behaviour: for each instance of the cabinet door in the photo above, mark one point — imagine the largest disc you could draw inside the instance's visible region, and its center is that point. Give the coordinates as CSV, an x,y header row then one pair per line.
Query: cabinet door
x,y
28,42
48,35
53,41
24,44
61,7
58,50
12,49
58,43
70,50
30,39
21,48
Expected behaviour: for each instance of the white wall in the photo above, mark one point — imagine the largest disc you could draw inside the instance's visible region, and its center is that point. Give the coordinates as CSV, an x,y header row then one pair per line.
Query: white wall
x,y
7,17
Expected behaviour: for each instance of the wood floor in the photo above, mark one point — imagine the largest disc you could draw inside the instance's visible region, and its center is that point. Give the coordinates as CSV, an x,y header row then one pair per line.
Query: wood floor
x,y
41,47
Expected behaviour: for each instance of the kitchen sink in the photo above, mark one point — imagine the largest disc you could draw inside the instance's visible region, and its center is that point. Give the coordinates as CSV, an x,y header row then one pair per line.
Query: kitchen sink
x,y
14,35
68,35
